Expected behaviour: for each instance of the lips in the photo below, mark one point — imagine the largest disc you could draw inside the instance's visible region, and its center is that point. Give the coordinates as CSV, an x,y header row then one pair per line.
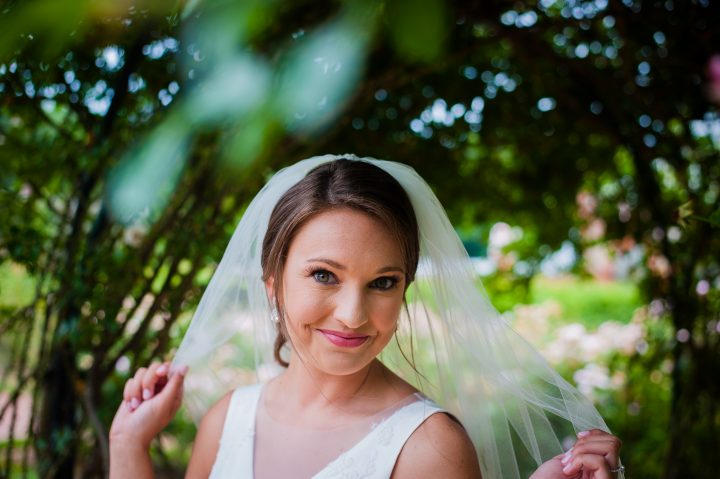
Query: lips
x,y
344,340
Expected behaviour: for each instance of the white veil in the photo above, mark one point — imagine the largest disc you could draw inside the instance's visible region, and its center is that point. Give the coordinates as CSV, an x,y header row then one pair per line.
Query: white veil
x,y
467,358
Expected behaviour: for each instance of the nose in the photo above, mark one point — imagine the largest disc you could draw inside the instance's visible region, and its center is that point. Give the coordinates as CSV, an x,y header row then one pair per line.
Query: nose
x,y
350,308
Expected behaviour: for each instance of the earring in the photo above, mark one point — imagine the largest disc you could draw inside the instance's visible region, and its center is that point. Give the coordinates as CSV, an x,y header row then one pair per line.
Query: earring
x,y
274,315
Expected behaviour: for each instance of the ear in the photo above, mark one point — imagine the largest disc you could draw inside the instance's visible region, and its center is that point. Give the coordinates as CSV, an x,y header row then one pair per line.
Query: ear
x,y
270,289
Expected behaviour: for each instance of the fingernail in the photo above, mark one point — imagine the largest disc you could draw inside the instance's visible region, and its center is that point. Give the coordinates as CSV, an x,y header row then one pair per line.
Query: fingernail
x,y
583,433
134,403
568,452
128,405
183,370
566,459
566,468
147,394
161,370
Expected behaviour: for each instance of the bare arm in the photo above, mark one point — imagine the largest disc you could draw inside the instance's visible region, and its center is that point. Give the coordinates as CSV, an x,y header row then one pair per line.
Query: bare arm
x,y
129,461
207,440
150,400
440,447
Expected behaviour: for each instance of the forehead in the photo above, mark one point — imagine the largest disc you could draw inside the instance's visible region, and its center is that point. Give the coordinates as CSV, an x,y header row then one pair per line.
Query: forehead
x,y
345,235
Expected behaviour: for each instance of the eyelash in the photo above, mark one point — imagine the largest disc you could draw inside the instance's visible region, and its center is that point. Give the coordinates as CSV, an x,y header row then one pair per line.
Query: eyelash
x,y
313,272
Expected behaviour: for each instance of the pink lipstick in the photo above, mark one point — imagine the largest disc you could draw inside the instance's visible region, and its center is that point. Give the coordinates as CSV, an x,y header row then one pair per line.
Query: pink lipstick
x,y
344,340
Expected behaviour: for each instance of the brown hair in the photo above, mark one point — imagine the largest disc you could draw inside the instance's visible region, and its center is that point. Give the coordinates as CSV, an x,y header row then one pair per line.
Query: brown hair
x,y
338,184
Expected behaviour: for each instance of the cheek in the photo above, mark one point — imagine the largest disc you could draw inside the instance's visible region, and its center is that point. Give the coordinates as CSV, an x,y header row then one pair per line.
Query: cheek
x,y
304,306
388,314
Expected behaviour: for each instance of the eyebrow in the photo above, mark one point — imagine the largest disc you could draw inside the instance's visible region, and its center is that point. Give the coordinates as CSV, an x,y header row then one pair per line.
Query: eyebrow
x,y
335,264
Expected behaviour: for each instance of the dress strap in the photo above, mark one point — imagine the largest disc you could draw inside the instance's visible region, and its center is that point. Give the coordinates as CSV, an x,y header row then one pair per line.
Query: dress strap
x,y
235,454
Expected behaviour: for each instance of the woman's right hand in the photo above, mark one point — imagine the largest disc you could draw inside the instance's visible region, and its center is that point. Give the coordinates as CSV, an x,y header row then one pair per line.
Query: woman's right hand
x,y
150,400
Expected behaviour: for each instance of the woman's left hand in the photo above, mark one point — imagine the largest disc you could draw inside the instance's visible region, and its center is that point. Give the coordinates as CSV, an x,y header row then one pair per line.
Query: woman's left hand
x,y
593,456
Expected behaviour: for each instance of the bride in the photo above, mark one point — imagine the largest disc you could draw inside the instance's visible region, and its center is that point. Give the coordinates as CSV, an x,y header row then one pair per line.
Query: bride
x,y
347,292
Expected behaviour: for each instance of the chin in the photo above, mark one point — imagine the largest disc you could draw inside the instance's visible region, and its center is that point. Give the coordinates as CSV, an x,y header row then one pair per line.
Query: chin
x,y
337,361
341,364
348,369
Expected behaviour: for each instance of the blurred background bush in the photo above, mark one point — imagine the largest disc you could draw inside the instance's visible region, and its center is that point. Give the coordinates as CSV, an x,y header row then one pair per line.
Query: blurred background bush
x,y
574,143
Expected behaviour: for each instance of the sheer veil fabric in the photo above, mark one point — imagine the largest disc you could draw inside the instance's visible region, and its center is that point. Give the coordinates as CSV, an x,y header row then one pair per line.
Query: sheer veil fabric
x,y
451,343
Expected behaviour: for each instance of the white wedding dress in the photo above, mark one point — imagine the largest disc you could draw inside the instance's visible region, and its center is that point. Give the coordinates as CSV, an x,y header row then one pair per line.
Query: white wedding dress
x,y
253,443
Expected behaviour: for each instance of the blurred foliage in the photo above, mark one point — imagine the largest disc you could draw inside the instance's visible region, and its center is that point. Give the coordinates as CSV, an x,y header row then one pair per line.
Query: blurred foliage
x,y
16,286
133,134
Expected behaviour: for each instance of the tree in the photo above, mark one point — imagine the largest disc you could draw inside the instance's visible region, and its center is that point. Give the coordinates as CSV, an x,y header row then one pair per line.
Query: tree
x,y
133,135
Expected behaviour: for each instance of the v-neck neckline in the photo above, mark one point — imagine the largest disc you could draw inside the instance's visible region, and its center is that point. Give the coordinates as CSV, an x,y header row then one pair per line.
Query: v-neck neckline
x,y
375,428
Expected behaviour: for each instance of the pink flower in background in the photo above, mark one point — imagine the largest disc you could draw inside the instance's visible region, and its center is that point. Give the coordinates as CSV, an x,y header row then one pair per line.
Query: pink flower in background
x,y
586,203
594,230
659,265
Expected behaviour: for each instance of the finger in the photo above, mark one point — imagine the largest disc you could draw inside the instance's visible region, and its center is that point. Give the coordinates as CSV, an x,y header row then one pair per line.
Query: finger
x,y
126,399
170,397
556,466
595,447
164,369
149,380
162,374
597,435
138,379
606,448
593,434
131,393
140,373
127,389
592,463
135,392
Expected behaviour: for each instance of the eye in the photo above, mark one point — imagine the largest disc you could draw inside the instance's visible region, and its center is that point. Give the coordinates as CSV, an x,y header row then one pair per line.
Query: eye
x,y
385,283
323,276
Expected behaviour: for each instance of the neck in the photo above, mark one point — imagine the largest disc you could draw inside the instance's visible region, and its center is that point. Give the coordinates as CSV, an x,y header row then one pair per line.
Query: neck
x,y
312,388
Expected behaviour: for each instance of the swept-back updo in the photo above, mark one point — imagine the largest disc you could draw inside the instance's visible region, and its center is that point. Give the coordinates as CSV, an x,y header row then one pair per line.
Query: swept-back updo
x,y
343,183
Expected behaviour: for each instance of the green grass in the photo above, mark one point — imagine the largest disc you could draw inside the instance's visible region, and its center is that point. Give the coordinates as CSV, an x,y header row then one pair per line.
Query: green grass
x,y
588,302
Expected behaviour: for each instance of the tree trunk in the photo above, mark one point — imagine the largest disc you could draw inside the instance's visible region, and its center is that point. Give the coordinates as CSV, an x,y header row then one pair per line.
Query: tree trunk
x,y
57,445
693,424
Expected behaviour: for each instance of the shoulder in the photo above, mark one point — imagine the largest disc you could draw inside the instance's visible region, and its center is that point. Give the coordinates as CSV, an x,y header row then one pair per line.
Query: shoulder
x,y
207,439
439,447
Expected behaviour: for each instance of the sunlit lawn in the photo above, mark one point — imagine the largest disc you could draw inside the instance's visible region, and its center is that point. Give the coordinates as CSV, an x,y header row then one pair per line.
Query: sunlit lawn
x,y
588,302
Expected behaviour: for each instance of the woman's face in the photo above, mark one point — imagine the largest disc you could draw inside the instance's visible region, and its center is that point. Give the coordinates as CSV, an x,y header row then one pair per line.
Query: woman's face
x,y
343,288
